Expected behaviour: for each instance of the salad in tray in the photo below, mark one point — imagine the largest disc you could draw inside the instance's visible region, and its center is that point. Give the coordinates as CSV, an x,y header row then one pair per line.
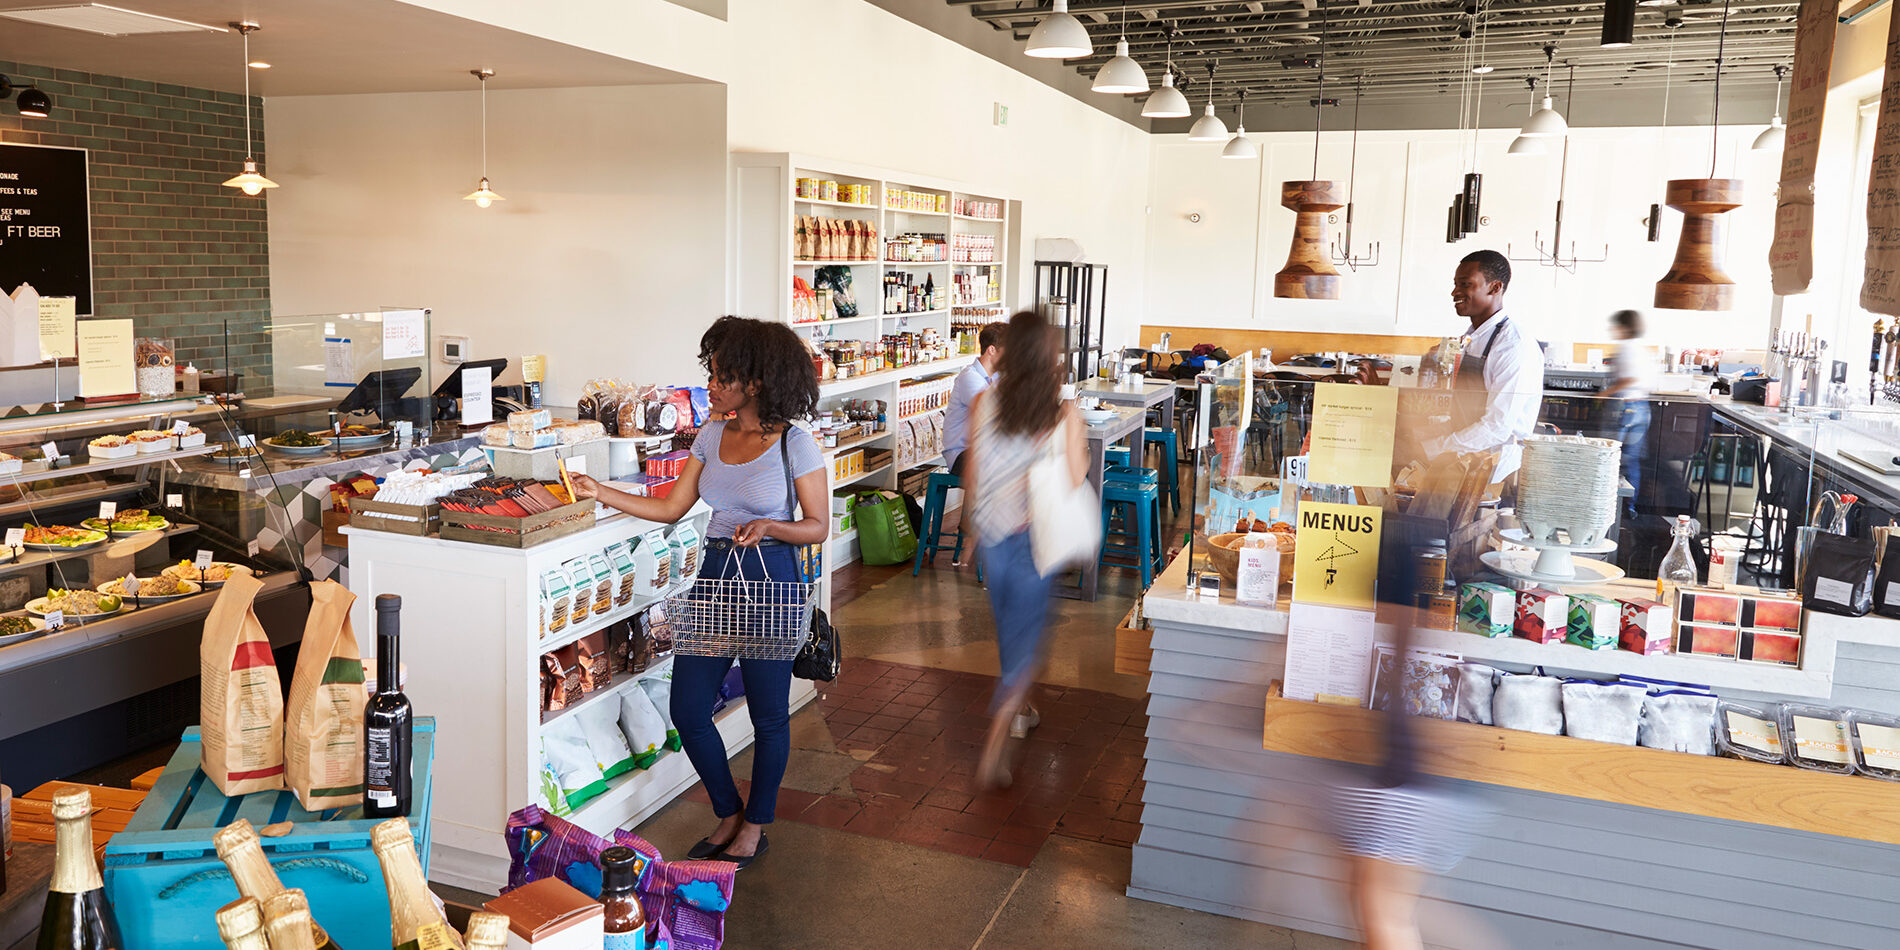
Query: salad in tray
x,y
131,519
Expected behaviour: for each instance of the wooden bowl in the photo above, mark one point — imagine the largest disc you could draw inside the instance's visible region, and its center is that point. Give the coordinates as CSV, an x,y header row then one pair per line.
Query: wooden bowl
x,y
1224,553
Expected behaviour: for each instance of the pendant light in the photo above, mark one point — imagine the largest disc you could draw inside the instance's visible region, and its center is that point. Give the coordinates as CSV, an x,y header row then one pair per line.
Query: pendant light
x,y
248,180
1059,36
1342,250
1309,273
1652,225
1528,144
1167,101
1696,280
1772,136
34,103
483,196
1209,127
1619,24
1122,75
1241,146
1546,121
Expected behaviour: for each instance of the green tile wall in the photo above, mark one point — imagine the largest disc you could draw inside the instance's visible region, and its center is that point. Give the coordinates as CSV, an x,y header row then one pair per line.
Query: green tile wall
x,y
181,255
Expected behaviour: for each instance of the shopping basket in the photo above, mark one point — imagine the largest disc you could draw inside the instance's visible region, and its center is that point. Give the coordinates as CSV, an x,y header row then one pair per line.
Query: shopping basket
x,y
748,618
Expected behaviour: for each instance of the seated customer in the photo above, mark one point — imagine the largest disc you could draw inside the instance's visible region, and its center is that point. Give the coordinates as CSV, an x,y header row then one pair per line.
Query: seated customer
x,y
975,378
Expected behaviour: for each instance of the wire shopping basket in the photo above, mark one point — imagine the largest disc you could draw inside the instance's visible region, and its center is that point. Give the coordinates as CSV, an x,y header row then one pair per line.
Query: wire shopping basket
x,y
747,618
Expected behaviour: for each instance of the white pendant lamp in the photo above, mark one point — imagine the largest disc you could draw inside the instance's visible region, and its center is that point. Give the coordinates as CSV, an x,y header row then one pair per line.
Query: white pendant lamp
x,y
1546,121
1167,101
248,180
1059,36
1209,127
1122,75
1528,144
483,196
1772,136
1241,146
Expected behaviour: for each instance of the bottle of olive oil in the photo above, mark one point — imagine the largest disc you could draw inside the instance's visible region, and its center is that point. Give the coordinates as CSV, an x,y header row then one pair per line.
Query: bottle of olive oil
x,y
77,916
414,923
241,925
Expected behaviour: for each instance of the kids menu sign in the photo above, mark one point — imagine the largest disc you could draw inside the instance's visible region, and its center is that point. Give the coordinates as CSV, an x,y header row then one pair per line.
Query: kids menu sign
x,y
45,234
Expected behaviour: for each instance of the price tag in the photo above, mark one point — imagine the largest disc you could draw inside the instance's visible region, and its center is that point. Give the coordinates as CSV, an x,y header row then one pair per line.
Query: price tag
x,y
107,509
50,450
246,441
576,465
130,585
180,427
55,619
16,537
203,560
174,500
252,548
244,473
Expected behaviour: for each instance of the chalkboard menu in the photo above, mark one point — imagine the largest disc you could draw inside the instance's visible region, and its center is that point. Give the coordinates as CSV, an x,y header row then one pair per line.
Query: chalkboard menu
x,y
45,233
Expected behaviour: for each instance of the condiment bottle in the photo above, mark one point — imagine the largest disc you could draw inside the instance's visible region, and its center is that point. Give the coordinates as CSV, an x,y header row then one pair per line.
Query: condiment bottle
x,y
624,923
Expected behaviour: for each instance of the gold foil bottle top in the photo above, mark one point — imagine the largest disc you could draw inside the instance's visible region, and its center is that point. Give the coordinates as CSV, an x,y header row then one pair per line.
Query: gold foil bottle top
x,y
390,835
284,902
487,931
71,802
233,836
239,918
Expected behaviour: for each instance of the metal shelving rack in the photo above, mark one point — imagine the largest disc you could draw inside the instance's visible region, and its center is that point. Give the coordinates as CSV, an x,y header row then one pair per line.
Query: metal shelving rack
x,y
1074,296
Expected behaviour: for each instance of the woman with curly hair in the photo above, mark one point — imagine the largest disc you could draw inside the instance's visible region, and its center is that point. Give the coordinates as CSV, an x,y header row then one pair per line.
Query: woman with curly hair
x,y
759,379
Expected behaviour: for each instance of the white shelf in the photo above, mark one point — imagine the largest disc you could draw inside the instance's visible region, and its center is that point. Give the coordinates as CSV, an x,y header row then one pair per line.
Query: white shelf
x,y
844,447
971,217
978,263
836,204
844,536
918,214
595,623
919,313
836,387
832,323
919,415
861,476
915,263
990,303
798,263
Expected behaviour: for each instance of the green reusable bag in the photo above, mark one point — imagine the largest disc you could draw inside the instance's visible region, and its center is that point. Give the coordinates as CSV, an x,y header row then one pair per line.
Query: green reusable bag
x,y
885,535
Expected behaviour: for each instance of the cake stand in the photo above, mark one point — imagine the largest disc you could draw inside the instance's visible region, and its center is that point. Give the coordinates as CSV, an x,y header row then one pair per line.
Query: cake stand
x,y
1555,565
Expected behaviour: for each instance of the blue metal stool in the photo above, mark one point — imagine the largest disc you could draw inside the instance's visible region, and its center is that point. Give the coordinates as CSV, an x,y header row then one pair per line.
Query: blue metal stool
x,y
1118,455
1170,466
1130,475
1142,505
936,494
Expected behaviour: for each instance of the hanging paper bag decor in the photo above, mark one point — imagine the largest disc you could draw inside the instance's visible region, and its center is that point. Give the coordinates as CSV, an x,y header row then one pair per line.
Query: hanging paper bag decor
x,y
1309,273
1696,280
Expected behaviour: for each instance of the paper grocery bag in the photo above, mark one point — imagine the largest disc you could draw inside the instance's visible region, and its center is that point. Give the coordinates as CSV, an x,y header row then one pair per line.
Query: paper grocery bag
x,y
240,701
323,719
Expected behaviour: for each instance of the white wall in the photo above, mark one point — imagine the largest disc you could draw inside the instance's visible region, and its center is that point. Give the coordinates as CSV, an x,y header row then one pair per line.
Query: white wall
x,y
607,256
847,80
1219,272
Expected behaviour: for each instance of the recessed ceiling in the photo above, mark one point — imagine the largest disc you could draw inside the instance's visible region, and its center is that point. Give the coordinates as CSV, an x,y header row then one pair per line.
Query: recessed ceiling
x,y
1410,49
330,48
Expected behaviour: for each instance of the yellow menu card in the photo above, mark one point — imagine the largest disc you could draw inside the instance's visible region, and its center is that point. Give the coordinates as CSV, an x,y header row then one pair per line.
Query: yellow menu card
x,y
105,359
1353,430
1336,555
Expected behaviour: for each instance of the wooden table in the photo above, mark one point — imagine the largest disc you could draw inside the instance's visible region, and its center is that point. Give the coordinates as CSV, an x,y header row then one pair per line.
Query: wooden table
x,y
1149,394
1128,420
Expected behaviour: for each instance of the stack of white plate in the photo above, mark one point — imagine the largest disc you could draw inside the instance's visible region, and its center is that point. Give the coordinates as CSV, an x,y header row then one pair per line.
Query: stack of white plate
x,y
1568,482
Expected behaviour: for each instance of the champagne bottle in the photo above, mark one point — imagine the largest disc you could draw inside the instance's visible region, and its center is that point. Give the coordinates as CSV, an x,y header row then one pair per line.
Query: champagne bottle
x,y
77,916
388,722
487,931
241,925
624,923
414,923
287,916
243,853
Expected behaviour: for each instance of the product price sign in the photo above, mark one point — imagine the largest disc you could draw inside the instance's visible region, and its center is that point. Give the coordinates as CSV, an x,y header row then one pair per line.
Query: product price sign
x,y
55,619
107,509
203,560
174,501
16,537
45,235
50,450
477,391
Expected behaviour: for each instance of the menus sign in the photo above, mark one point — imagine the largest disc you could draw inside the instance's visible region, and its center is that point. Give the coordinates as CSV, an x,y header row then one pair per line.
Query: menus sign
x,y
1328,651
1336,555
105,359
45,237
1880,290
1791,256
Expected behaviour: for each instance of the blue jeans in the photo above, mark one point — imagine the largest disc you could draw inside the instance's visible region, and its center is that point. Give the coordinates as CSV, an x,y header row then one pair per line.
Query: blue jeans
x,y
1633,431
768,686
1019,597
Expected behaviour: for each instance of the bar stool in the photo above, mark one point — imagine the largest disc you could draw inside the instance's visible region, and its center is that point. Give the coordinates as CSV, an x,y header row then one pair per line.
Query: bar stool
x,y
1117,455
1170,466
1127,505
936,495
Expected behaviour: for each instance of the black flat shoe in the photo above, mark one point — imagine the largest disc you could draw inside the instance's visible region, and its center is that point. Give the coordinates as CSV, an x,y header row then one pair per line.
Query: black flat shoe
x,y
741,863
705,849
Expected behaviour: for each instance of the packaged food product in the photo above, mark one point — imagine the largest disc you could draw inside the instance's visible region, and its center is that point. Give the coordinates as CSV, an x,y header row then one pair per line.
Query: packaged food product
x,y
653,547
530,420
632,417
1678,721
536,439
1644,625
1595,622
1486,609
560,599
577,774
686,542
659,689
581,577
1529,703
553,683
1542,615
241,700
643,726
1819,734
575,682
1602,712
596,669
1876,738
600,724
1750,731
603,583
323,718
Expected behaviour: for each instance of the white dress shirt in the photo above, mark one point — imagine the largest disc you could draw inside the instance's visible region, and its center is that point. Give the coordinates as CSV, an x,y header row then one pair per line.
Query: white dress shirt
x,y
956,417
1513,394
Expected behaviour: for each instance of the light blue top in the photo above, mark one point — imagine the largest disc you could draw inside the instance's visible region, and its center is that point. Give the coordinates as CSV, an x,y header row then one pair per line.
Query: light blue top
x,y
756,489
956,417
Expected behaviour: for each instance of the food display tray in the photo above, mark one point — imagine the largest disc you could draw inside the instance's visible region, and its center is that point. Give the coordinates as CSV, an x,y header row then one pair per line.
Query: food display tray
x,y
506,532
414,520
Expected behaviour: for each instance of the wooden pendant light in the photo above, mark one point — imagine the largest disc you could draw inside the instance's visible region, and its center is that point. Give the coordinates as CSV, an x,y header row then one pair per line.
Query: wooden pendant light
x,y
1309,273
1696,280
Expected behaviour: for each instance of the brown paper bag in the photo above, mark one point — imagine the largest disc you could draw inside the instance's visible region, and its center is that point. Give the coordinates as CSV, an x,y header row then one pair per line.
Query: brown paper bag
x,y
323,720
240,700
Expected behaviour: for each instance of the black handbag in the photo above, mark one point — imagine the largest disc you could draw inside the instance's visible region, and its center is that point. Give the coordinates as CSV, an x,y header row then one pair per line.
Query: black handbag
x,y
821,657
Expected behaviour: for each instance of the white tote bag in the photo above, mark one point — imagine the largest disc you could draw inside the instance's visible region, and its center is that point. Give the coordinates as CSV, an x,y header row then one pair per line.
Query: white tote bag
x,y
1065,520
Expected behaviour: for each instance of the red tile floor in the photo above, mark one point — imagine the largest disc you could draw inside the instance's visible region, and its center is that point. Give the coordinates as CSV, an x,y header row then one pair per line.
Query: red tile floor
x,y
1078,774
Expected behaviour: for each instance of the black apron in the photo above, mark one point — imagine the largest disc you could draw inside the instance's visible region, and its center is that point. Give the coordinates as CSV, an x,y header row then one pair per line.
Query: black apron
x,y
1468,399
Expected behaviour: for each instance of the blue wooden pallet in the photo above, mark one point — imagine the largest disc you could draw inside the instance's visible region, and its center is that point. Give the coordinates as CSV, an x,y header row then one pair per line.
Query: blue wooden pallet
x,y
166,882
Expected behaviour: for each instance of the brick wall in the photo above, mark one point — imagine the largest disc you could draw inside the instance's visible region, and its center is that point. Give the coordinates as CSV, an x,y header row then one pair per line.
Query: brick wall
x,y
172,249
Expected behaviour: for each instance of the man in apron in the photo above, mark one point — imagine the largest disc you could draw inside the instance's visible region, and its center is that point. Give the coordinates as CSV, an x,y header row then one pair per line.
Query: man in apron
x,y
1499,386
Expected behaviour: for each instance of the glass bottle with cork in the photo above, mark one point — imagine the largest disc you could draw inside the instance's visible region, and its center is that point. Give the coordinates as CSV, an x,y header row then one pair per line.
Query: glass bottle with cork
x,y
243,854
414,922
77,915
241,925
388,722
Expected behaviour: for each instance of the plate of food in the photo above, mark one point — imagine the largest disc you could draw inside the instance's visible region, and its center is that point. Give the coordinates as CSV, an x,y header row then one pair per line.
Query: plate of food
x,y
59,537
214,575
154,589
129,521
358,435
297,442
234,455
15,629
75,603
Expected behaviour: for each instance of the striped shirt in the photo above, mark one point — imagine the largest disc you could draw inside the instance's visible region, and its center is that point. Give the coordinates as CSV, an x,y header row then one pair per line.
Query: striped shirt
x,y
1001,505
750,490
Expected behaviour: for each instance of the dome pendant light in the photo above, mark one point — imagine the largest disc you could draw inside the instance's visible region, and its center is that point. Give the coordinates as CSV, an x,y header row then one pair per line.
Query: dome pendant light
x,y
1122,75
248,180
1209,127
1167,101
1059,36
1546,120
1241,146
1528,144
1776,133
483,196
